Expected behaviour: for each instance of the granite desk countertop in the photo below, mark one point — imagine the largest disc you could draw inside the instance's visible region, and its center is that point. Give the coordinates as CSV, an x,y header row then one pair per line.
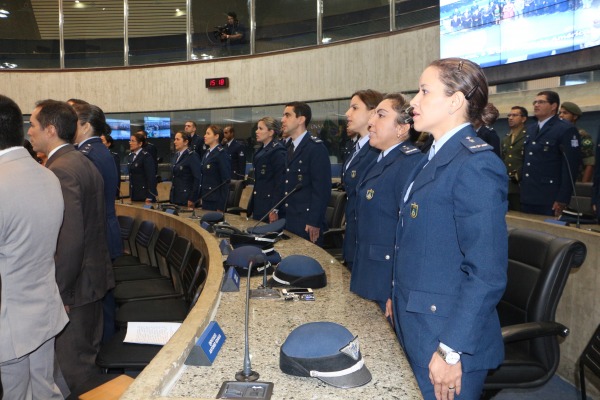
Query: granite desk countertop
x,y
272,320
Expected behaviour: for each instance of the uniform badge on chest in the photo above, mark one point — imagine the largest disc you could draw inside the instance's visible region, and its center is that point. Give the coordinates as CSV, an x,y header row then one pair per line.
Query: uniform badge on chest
x,y
353,174
300,178
208,166
414,210
370,194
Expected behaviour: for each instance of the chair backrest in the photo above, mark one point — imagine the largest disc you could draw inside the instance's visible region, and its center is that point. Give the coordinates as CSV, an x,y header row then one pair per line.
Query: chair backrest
x,y
582,198
143,238
177,259
538,267
190,274
236,187
590,357
335,209
164,242
200,281
126,226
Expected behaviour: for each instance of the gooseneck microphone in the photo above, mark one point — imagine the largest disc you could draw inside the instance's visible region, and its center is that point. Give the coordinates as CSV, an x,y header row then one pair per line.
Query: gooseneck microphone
x,y
578,218
246,374
296,188
219,186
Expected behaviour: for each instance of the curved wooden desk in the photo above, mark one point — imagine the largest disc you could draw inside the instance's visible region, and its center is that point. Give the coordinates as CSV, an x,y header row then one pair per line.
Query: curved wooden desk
x,y
579,306
270,322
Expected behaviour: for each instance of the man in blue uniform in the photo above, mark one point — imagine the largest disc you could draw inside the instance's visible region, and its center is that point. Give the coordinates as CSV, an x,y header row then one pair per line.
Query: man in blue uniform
x,y
307,163
236,152
196,141
551,158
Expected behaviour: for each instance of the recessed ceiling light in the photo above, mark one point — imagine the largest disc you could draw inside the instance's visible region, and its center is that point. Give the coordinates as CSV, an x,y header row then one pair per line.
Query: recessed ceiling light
x,y
177,10
3,11
77,1
3,16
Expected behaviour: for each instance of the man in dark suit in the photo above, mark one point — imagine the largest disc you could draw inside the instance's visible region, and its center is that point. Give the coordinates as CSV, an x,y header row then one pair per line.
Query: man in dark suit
x,y
551,157
32,312
307,163
196,141
83,267
236,152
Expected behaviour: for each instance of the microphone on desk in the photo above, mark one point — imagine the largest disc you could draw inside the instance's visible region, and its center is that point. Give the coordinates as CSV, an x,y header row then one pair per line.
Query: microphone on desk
x,y
296,188
246,374
577,209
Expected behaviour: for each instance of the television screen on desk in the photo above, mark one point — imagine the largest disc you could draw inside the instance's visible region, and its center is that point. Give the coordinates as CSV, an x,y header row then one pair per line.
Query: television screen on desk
x,y
502,32
121,128
158,127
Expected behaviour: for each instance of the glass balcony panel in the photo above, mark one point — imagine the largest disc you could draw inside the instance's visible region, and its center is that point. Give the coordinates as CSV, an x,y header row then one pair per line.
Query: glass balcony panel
x,y
350,19
285,24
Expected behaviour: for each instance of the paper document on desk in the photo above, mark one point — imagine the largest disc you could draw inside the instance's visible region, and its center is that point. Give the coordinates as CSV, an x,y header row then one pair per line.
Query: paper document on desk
x,y
157,333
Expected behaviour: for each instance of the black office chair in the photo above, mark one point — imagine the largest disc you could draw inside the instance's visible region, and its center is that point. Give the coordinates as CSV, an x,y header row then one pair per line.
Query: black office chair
x,y
126,226
236,188
538,268
143,238
164,242
335,217
590,357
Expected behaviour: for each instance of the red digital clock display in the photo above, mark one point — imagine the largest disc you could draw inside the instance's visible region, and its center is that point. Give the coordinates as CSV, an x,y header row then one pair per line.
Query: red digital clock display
x,y
217,83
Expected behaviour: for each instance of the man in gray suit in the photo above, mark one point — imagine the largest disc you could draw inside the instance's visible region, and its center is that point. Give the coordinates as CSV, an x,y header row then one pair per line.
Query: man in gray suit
x,y
31,312
83,267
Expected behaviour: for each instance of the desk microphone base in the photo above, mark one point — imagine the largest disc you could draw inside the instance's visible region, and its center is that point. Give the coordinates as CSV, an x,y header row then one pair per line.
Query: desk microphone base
x,y
265,293
246,390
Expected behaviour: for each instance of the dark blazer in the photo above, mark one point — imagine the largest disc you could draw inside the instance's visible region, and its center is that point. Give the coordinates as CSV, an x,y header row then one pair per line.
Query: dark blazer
x,y
98,154
238,159
118,165
216,169
269,176
142,176
451,255
378,199
490,136
545,175
187,173
310,166
596,184
83,267
150,148
351,176
197,145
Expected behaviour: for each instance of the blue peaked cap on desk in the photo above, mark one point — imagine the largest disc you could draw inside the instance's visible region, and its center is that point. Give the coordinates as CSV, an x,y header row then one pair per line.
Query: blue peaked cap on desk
x,y
326,351
276,226
240,257
299,271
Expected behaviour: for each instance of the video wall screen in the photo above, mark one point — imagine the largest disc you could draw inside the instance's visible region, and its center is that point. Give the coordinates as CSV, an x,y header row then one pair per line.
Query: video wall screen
x,y
502,32
121,128
158,127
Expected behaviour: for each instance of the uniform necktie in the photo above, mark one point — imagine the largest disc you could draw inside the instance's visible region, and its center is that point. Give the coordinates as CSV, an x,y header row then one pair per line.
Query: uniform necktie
x,y
356,150
178,156
431,152
290,152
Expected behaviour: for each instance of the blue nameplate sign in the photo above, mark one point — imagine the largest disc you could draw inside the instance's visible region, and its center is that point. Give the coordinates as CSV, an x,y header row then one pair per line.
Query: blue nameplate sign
x,y
170,211
207,347
147,206
231,282
556,221
225,247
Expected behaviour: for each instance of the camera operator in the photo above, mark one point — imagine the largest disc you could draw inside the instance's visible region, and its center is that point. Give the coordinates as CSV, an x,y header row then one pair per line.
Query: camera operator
x,y
234,35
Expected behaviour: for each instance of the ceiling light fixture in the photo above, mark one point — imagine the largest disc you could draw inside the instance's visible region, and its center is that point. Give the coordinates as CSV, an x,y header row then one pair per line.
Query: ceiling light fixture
x,y
3,16
3,11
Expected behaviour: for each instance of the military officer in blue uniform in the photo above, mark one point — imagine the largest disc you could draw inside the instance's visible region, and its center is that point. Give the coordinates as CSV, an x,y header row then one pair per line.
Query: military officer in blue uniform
x,y
236,153
187,173
451,252
362,107
196,141
269,170
378,198
216,170
307,163
142,171
551,158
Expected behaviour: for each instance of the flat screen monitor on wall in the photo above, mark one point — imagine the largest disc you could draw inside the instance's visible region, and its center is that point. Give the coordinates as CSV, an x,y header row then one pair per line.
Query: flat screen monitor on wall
x,y
121,128
158,127
502,32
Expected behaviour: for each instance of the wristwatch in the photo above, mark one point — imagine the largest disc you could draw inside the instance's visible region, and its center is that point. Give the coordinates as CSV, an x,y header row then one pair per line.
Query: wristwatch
x,y
451,357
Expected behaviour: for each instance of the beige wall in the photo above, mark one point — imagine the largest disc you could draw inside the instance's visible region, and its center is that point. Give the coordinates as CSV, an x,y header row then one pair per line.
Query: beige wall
x,y
391,62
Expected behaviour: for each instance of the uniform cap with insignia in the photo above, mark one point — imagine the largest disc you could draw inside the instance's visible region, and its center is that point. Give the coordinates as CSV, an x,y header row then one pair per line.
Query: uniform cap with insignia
x,y
326,351
240,257
572,108
299,271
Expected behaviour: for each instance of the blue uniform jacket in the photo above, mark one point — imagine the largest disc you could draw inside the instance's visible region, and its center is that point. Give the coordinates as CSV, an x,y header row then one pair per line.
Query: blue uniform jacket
x,y
216,169
545,176
351,176
452,255
104,161
238,159
269,173
310,166
187,173
378,198
490,136
142,176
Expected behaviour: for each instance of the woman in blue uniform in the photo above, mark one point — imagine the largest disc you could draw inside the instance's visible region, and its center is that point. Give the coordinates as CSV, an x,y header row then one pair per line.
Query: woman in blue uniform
x,y
269,170
362,107
451,252
142,171
187,172
378,198
216,171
